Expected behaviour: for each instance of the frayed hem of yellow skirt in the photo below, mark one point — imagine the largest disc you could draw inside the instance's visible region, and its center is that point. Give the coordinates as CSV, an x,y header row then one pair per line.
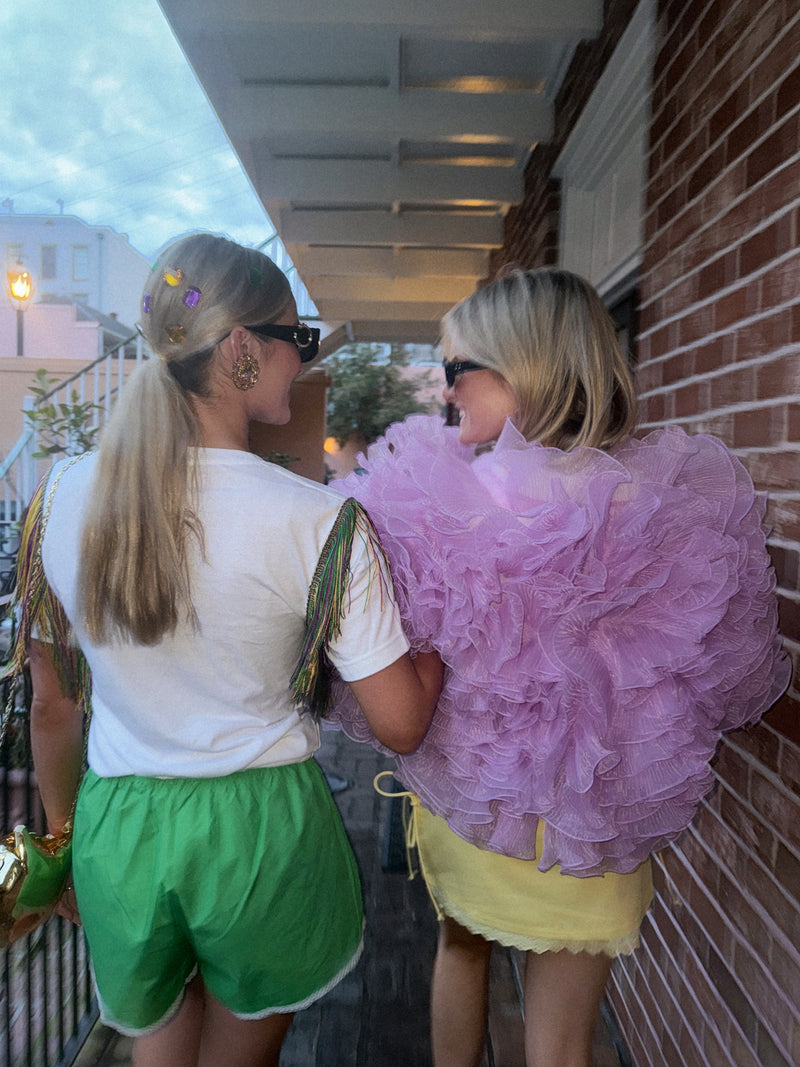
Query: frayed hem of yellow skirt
x,y
620,946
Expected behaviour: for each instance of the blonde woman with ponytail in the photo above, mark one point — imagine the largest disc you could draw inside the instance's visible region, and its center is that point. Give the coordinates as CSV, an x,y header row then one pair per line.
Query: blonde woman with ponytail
x,y
204,594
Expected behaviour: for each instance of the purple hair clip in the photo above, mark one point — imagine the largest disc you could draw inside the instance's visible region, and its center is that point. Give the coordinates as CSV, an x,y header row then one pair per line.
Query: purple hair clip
x,y
191,297
146,303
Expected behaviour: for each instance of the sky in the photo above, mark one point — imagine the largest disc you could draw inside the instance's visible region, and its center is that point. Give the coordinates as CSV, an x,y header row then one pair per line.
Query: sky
x,y
103,112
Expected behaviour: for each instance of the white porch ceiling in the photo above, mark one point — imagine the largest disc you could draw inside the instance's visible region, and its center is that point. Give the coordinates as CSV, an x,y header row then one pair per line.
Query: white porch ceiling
x,y
387,139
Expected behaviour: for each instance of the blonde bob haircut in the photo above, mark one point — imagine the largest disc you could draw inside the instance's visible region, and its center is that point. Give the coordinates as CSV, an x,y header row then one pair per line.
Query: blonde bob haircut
x,y
548,334
134,577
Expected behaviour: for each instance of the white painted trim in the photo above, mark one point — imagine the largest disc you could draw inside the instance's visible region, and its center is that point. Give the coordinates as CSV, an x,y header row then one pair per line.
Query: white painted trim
x,y
603,166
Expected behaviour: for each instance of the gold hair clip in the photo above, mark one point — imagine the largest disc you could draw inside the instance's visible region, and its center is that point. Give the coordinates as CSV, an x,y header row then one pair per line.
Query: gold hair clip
x,y
173,276
176,334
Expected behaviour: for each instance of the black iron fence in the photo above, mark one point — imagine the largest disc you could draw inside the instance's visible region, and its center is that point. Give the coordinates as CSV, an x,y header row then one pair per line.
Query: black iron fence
x,y
47,1005
9,542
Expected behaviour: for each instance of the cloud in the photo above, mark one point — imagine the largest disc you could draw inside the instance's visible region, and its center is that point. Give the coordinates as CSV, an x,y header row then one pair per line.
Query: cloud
x,y
106,115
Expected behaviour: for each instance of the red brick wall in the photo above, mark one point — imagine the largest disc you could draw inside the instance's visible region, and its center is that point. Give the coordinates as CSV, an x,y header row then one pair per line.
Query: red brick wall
x,y
717,980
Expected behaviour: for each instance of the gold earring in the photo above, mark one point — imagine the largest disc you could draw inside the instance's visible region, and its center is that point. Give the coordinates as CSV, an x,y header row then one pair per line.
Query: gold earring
x,y
245,370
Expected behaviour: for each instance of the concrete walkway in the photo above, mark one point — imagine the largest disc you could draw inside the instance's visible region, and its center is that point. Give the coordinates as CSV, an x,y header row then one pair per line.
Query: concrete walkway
x,y
378,1016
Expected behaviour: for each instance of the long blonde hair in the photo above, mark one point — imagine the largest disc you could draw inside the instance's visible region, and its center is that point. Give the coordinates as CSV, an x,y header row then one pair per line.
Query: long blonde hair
x,y
548,334
134,580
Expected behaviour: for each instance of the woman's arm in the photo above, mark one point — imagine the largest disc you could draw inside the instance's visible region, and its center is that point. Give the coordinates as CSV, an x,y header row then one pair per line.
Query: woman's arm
x,y
56,738
399,701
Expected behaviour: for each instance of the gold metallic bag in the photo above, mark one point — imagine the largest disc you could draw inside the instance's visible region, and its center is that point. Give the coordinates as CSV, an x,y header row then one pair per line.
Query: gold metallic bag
x,y
33,873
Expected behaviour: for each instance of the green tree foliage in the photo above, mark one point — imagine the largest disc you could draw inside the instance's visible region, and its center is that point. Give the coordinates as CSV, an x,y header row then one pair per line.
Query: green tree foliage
x,y
366,396
63,429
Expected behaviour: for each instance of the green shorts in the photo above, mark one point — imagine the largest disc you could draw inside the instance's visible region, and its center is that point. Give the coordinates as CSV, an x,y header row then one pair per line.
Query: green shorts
x,y
248,879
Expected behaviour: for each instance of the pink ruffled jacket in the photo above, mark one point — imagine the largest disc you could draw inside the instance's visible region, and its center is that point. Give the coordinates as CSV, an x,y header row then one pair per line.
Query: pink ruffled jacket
x,y
603,617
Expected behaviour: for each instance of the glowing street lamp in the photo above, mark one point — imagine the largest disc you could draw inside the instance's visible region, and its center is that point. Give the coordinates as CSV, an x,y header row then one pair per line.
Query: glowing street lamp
x,y
20,286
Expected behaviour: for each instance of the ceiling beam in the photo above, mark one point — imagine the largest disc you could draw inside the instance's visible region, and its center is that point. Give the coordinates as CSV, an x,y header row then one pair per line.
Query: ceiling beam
x,y
375,331
378,290
385,228
370,182
333,310
392,263
334,335
418,114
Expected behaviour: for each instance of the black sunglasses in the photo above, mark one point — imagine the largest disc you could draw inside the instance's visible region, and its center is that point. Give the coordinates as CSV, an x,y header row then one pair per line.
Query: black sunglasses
x,y
304,338
454,367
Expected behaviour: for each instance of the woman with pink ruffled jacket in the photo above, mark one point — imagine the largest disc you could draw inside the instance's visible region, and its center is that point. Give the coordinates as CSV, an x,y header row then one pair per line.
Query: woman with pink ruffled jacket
x,y
605,607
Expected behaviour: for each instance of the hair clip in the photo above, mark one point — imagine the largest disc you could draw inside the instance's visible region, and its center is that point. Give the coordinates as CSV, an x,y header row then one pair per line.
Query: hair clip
x,y
173,276
256,277
146,303
191,297
176,334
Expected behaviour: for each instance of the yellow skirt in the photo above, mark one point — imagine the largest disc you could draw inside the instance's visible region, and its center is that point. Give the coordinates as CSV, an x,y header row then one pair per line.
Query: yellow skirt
x,y
511,901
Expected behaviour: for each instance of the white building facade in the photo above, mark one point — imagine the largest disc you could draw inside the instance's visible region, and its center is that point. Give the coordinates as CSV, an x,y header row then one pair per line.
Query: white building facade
x,y
88,284
73,261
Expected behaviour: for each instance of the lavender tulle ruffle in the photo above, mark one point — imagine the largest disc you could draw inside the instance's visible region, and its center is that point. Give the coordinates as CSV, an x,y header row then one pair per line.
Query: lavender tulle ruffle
x,y
604,618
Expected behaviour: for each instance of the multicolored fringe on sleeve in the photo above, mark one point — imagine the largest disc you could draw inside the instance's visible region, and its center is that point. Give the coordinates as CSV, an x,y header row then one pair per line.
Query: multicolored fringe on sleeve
x,y
38,607
310,682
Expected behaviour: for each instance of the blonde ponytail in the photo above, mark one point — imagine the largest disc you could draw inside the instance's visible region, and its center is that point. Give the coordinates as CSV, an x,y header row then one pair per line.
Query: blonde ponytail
x,y
135,580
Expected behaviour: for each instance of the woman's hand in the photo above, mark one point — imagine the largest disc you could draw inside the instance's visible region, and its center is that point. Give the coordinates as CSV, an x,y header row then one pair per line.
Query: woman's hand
x,y
67,906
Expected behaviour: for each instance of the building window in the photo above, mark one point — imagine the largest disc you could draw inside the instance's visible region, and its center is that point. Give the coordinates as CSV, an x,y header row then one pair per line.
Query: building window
x,y
14,253
48,270
80,263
